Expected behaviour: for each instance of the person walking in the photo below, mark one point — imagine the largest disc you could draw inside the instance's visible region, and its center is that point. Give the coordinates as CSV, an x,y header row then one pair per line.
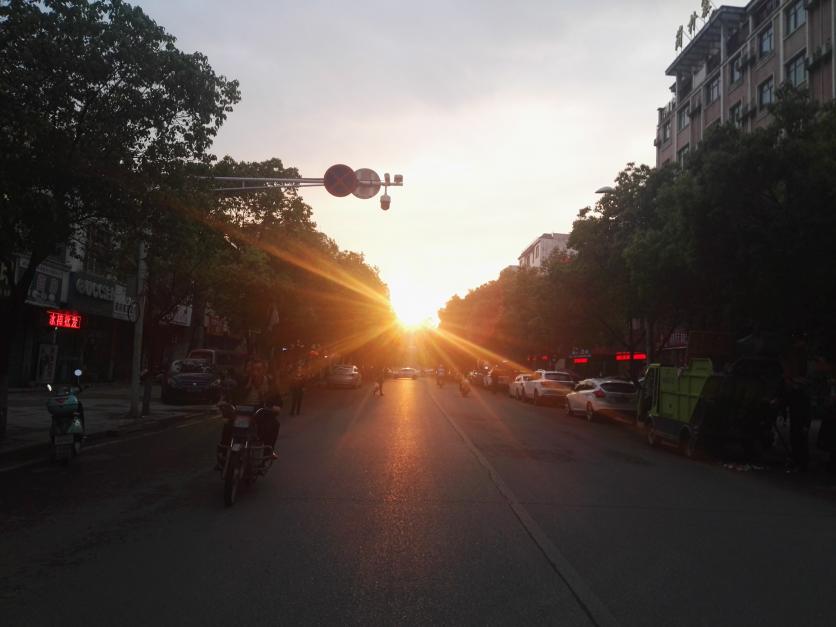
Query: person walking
x,y
379,378
297,391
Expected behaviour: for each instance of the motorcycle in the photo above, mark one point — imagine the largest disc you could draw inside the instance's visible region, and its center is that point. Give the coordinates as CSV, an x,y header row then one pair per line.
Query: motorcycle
x,y
66,433
440,381
244,458
464,387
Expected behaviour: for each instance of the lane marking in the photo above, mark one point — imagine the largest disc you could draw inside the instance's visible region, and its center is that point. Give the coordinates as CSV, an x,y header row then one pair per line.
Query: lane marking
x,y
589,602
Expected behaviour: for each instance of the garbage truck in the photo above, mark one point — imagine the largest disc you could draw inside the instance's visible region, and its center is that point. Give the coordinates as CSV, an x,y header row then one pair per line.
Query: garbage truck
x,y
697,406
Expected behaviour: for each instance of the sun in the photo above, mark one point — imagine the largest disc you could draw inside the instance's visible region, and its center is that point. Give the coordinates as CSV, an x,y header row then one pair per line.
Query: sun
x,y
411,309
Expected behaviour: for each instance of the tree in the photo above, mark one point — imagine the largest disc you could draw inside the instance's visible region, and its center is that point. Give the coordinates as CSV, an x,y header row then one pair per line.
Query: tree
x,y
98,107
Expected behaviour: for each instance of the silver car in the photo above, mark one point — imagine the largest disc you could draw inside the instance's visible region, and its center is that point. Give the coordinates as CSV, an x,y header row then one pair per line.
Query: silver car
x,y
607,397
345,377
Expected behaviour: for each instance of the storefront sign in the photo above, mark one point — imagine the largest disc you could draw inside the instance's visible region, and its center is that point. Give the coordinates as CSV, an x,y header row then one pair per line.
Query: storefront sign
x,y
47,360
65,319
92,295
94,289
626,356
124,307
181,316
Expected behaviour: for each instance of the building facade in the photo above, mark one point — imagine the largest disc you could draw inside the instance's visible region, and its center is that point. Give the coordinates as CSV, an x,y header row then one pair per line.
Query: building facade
x,y
731,69
536,254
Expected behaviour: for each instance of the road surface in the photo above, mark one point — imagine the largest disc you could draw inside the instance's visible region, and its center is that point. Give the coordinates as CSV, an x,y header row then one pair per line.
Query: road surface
x,y
418,507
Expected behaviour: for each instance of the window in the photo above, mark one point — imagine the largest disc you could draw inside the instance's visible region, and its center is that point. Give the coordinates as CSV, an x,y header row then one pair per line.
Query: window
x,y
683,118
796,71
712,92
682,154
736,70
666,131
796,16
766,93
766,42
736,114
537,251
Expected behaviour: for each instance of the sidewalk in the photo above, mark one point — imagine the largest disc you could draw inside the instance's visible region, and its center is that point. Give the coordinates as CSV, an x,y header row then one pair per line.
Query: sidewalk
x,y
106,409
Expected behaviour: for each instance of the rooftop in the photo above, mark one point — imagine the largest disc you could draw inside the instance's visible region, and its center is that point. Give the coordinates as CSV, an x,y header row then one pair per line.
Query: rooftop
x,y
706,40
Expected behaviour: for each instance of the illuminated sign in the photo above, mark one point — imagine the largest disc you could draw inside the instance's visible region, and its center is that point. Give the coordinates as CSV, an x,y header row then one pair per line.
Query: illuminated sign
x,y
64,319
581,360
626,356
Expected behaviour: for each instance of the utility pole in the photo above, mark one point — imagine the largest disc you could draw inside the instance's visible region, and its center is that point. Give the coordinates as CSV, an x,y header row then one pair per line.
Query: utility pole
x,y
136,362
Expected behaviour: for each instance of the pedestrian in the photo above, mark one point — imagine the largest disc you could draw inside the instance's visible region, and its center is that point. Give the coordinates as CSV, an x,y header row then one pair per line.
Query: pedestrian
x,y
378,386
297,391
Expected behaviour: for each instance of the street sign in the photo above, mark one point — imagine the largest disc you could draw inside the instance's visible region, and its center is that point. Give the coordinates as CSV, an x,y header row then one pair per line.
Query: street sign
x,y
368,183
340,180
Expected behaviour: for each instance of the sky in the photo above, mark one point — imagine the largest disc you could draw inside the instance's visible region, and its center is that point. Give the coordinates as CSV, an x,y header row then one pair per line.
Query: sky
x,y
503,118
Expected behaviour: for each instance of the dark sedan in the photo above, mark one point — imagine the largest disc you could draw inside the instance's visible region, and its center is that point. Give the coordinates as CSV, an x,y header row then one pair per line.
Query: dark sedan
x,y
191,381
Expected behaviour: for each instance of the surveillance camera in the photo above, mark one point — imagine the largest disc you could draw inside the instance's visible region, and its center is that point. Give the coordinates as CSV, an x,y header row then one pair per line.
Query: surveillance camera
x,y
385,201
399,179
386,179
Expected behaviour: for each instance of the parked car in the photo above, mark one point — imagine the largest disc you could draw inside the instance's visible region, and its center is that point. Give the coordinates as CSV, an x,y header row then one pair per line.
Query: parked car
x,y
191,380
515,390
222,360
500,378
548,386
611,397
345,376
406,373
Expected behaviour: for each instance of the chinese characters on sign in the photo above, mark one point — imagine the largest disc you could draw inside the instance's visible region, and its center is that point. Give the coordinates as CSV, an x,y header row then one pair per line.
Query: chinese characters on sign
x,y
64,319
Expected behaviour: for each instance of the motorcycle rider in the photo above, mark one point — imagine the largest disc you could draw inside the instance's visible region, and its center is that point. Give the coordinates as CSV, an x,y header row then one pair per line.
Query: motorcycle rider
x,y
440,373
258,391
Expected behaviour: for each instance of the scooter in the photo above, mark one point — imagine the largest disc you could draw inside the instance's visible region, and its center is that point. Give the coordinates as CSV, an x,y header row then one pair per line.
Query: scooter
x,y
66,433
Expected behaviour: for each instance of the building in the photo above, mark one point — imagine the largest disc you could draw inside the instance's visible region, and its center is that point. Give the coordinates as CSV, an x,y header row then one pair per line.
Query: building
x,y
731,69
536,254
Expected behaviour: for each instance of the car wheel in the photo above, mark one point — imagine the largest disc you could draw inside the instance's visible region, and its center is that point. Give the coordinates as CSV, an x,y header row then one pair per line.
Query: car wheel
x,y
652,438
689,445
590,413
569,410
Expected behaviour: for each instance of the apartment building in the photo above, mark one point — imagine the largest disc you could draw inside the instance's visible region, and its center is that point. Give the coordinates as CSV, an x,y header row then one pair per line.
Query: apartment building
x,y
731,69
538,251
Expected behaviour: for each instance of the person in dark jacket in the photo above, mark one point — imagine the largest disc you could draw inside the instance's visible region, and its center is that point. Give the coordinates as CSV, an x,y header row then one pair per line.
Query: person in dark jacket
x,y
257,390
297,392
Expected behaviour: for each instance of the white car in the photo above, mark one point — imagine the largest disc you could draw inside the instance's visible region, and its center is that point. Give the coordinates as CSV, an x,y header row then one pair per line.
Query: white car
x,y
345,376
406,373
611,397
515,390
548,386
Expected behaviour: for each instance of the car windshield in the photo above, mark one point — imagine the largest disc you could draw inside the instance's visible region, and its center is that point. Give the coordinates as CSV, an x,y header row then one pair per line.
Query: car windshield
x,y
188,366
343,370
558,376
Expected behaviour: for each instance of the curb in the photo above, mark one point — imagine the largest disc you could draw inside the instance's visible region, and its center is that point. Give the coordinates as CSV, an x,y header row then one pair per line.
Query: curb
x,y
31,452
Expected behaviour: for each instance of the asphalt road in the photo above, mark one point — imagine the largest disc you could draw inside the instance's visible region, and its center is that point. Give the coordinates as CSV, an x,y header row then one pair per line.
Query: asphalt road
x,y
419,507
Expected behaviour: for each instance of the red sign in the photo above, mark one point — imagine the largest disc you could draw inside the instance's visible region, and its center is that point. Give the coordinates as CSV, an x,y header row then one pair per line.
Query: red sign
x,y
626,356
581,360
340,180
64,319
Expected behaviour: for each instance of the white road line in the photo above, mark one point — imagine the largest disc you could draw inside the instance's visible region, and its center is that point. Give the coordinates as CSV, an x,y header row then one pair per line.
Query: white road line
x,y
591,604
